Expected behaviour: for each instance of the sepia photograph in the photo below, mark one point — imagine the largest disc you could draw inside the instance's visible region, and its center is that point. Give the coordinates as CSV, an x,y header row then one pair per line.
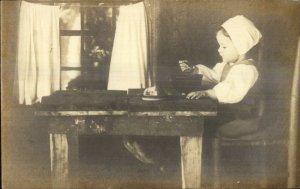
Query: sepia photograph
x,y
150,94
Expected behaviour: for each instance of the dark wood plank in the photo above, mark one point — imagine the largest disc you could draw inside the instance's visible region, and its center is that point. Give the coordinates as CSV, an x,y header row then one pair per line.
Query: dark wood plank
x,y
85,100
137,104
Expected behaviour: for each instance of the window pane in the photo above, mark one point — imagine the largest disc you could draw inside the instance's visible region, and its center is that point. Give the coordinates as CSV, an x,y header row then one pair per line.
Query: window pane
x,y
70,16
96,58
66,77
97,49
100,19
70,49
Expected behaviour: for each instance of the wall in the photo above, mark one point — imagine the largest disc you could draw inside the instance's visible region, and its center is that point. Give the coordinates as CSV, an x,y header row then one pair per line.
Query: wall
x,y
9,29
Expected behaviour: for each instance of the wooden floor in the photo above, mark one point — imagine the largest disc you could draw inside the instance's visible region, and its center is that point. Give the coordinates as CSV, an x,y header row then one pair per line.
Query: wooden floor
x,y
105,163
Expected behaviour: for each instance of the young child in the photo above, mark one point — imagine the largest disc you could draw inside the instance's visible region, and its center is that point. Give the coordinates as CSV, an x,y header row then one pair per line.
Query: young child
x,y
235,80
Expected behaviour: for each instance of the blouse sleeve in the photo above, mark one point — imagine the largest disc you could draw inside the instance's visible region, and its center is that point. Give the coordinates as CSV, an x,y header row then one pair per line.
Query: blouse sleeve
x,y
237,84
211,75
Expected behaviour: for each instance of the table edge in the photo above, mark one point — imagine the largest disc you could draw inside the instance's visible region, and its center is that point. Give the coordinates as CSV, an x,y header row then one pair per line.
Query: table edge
x,y
121,113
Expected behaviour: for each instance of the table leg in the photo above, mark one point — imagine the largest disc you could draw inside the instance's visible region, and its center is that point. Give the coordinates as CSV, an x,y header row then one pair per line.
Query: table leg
x,y
73,157
191,159
64,160
59,160
216,162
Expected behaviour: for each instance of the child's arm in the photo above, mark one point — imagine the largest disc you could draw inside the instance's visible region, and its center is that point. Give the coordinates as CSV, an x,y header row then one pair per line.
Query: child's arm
x,y
237,84
209,75
233,89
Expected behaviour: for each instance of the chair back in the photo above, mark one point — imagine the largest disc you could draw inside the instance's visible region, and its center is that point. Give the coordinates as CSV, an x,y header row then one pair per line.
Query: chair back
x,y
261,107
293,127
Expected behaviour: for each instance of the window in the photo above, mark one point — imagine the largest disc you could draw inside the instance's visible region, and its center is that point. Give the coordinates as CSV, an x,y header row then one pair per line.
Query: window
x,y
87,32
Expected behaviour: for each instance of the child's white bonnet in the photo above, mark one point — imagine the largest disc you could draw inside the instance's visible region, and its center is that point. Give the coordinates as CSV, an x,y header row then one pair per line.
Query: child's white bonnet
x,y
242,32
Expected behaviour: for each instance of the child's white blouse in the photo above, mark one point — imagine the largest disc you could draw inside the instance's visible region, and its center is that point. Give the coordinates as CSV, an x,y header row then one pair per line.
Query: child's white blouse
x,y
235,86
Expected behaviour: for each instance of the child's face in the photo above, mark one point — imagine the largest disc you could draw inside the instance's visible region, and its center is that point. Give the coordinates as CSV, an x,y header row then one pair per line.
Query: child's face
x,y
227,50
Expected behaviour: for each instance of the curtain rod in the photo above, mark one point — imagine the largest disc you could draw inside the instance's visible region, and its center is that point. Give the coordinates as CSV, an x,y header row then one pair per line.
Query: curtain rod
x,y
85,1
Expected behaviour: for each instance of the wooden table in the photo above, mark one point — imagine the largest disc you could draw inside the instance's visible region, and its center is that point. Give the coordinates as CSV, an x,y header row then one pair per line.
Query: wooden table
x,y
70,114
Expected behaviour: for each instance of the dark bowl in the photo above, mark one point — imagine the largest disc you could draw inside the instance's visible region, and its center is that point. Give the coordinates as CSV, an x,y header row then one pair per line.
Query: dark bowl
x,y
186,82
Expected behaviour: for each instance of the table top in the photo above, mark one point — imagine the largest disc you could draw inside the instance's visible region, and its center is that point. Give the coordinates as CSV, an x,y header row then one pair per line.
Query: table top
x,y
94,103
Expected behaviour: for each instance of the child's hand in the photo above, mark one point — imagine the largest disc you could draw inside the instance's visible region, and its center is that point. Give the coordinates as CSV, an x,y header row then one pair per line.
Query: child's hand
x,y
196,95
184,66
200,94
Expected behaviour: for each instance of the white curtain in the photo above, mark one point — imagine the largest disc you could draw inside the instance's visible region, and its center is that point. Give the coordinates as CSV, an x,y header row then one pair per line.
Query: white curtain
x,y
128,68
38,57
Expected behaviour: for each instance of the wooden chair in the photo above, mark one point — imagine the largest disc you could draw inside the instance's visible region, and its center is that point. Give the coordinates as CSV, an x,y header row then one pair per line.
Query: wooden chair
x,y
253,139
261,138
